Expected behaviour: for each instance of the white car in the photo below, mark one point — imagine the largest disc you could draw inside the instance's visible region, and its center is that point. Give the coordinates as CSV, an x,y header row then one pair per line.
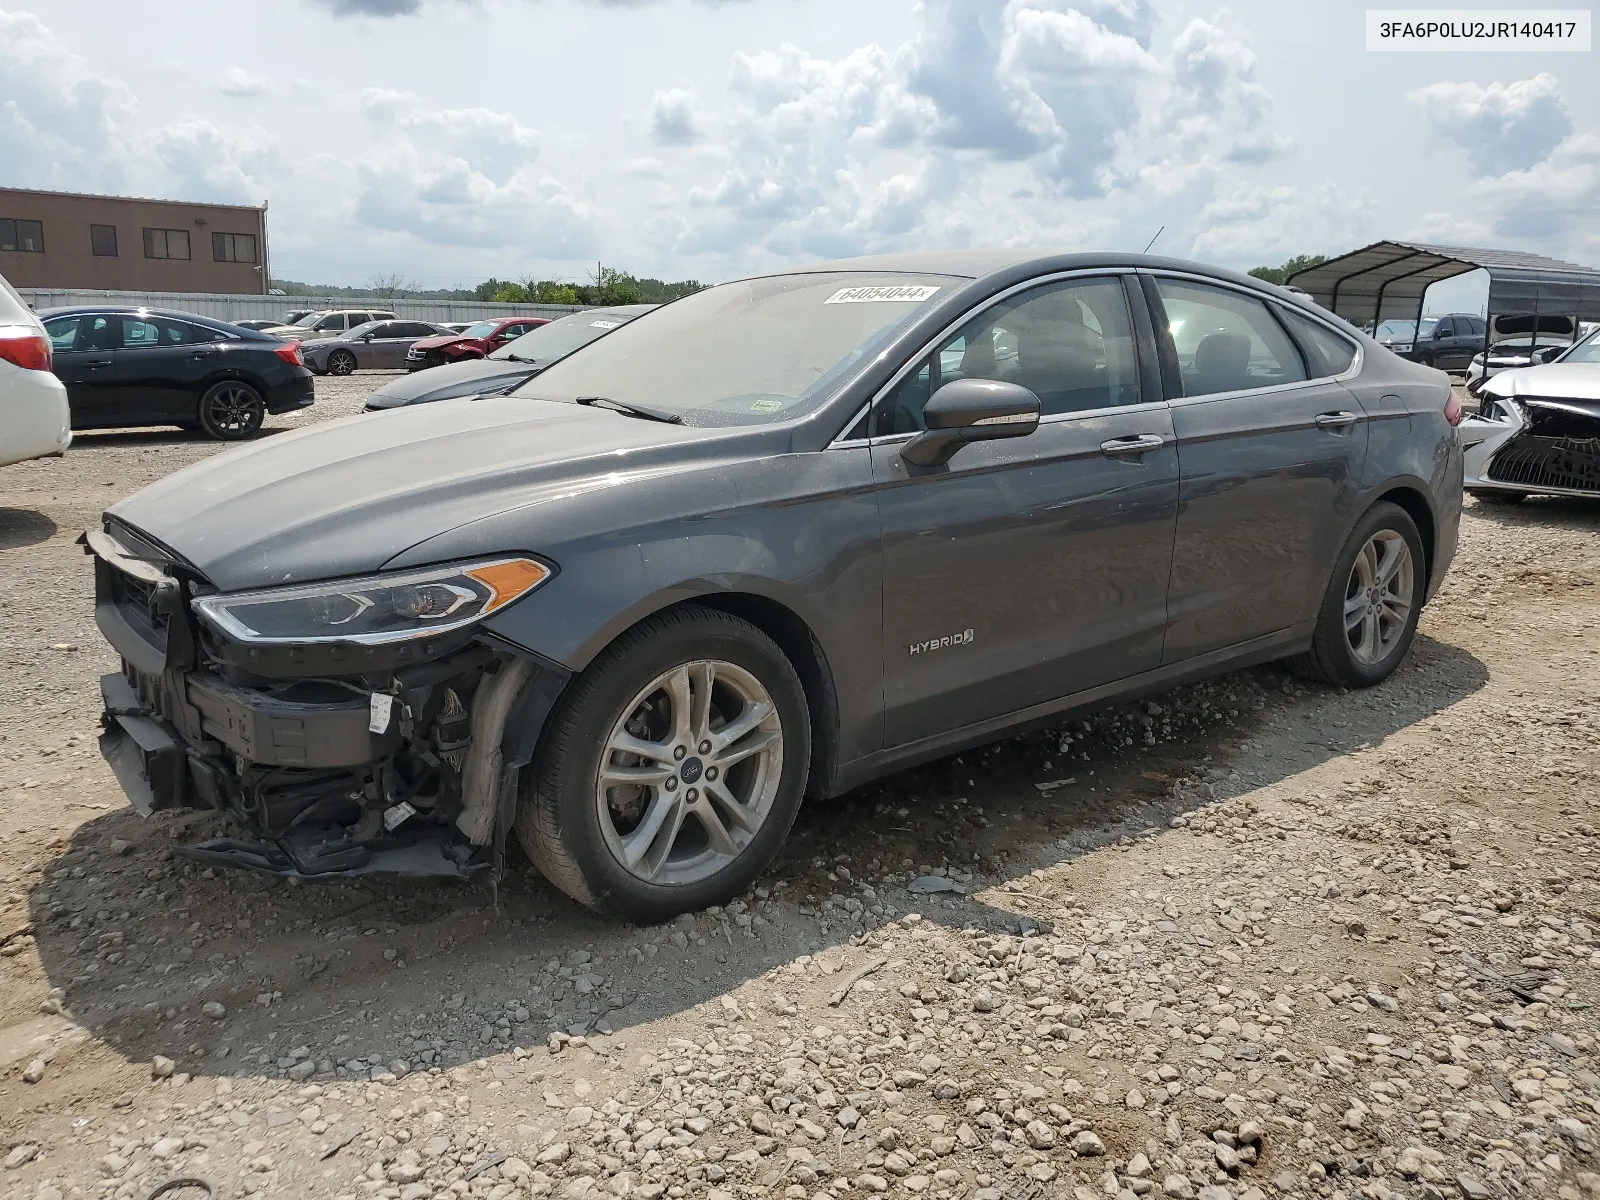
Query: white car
x,y
34,418
1537,431
1512,353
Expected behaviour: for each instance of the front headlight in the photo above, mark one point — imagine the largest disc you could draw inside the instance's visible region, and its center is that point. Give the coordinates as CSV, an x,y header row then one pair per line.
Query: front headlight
x,y
375,609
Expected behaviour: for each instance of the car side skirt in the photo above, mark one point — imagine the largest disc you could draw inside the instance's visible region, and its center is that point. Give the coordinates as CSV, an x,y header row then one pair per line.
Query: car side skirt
x,y
1267,648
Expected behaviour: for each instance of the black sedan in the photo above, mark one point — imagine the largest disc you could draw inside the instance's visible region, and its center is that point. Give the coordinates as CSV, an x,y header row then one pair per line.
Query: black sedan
x,y
770,541
511,365
127,367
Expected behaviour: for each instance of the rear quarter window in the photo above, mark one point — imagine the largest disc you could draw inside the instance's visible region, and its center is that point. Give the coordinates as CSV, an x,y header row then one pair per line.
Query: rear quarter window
x,y
1326,352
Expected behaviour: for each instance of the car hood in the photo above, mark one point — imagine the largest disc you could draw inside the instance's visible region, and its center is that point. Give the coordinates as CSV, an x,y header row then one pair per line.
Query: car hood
x,y
1567,381
345,497
444,339
469,378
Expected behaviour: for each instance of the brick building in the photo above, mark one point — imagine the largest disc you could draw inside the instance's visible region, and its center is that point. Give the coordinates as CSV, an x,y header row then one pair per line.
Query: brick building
x,y
123,243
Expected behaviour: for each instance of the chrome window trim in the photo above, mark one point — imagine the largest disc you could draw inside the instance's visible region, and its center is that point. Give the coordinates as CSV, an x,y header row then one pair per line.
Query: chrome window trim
x,y
1348,373
932,344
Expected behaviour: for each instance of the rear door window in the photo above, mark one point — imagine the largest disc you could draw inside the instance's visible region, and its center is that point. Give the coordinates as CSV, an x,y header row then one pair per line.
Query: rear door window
x,y
1226,341
1326,352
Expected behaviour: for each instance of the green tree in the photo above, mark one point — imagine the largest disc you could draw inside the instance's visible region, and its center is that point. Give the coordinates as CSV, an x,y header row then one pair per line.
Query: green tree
x,y
549,291
511,293
1299,262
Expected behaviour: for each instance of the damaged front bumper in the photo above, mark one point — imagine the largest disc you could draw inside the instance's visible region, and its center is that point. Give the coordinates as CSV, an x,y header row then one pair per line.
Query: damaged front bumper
x,y
1549,446
343,762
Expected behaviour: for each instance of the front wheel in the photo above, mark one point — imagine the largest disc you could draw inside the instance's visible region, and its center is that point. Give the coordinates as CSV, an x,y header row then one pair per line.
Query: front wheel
x,y
341,362
231,411
1369,616
672,770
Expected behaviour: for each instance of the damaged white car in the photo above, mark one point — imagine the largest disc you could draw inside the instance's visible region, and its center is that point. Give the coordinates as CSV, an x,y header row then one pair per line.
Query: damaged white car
x,y
1537,431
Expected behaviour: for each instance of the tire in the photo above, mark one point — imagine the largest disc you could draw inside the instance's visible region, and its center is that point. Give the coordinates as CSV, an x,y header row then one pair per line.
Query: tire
x,y
578,833
1381,636
231,411
341,362
1497,497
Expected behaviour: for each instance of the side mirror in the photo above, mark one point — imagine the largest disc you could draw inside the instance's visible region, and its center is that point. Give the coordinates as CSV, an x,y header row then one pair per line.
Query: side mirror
x,y
971,410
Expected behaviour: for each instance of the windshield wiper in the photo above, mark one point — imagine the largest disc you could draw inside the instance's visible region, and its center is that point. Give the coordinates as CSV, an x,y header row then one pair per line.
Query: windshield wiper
x,y
519,358
632,410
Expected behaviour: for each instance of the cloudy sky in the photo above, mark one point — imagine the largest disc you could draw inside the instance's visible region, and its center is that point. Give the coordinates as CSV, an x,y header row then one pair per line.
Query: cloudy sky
x,y
447,140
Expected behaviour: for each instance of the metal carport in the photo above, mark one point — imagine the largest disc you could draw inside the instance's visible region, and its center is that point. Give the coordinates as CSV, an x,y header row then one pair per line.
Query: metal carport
x,y
1387,280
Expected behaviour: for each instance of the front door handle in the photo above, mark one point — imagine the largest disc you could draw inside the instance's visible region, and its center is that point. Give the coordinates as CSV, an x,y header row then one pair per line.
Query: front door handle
x,y
94,364
1139,443
1336,420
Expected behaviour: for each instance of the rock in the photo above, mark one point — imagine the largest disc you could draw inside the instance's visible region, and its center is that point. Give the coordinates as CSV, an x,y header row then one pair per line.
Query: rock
x,y
48,1191
847,1117
119,846
927,885
22,1155
985,1001
556,1152
1228,1159
1138,1166
167,1147
1087,1144
34,1071
1215,1192
1472,1187
162,1067
1040,1136
1178,1187
1409,1162
214,1009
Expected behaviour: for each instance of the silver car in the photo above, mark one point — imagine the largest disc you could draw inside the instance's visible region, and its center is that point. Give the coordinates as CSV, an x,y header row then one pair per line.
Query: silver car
x,y
375,345
1537,431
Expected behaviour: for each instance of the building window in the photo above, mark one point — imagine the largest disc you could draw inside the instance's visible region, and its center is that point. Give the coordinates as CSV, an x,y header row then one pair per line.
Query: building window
x,y
233,247
26,236
103,240
166,243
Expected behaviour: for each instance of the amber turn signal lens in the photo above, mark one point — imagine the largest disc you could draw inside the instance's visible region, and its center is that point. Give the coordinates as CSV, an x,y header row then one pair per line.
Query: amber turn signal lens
x,y
509,580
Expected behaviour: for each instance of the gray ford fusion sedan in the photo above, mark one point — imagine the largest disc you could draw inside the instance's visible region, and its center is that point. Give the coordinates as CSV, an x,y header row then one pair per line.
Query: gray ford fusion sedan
x,y
768,541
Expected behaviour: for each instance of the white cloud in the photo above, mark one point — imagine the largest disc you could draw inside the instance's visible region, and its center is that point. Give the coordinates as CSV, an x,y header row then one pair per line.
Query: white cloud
x,y
60,118
675,119
1269,224
242,84
1552,200
1500,126
1027,103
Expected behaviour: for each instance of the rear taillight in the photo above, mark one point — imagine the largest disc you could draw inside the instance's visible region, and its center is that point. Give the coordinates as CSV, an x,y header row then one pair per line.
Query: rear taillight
x,y
26,348
1452,409
290,353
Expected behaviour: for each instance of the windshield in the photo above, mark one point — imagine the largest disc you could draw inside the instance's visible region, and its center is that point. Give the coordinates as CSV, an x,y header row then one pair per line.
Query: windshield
x,y
481,330
1405,330
756,351
310,319
1586,351
561,337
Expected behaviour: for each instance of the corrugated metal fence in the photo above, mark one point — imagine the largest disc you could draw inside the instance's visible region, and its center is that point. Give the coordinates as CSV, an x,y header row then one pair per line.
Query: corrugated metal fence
x,y
245,307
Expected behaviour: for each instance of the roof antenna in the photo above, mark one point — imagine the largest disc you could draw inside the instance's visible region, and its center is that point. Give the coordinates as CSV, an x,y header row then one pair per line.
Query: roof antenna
x,y
1152,241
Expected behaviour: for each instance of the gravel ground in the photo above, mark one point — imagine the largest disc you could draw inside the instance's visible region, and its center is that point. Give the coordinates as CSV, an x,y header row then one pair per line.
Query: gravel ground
x,y
1243,940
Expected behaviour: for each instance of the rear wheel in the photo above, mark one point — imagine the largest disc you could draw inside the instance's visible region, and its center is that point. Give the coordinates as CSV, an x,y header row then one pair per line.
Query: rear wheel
x,y
231,410
341,362
672,770
1369,616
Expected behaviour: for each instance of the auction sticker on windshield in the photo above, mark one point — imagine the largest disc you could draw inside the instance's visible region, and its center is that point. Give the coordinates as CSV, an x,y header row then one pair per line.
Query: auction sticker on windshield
x,y
604,324
876,295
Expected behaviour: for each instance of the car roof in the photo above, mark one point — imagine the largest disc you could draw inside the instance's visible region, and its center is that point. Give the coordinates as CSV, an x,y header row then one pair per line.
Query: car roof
x,y
977,263
174,314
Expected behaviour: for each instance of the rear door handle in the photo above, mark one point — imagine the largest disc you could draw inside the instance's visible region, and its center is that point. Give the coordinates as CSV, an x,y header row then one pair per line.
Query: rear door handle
x,y
1336,420
94,364
1139,443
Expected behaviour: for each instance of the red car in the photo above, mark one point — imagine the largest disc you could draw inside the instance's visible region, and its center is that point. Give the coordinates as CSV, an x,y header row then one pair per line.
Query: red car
x,y
475,342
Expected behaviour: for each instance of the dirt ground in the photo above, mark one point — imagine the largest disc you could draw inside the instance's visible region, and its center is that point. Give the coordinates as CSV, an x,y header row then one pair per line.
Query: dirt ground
x,y
1250,938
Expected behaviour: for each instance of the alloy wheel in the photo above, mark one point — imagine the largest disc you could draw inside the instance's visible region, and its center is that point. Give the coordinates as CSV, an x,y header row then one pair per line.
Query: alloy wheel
x,y
1378,597
689,772
232,410
341,362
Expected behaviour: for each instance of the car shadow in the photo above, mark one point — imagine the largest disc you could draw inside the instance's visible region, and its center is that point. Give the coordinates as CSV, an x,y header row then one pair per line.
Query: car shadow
x,y
350,976
163,436
1557,512
21,527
